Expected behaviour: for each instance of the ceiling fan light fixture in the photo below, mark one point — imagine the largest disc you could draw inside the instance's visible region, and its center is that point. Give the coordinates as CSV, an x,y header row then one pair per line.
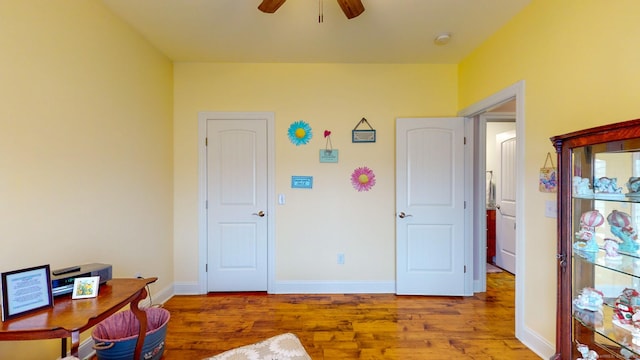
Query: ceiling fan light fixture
x,y
351,8
270,6
442,38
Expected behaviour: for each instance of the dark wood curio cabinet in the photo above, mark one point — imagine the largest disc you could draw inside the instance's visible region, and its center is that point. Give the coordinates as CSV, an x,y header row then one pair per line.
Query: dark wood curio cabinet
x,y
598,245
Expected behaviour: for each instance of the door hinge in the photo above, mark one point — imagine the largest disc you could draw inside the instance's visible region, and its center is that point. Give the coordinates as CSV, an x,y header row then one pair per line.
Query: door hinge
x,y
465,204
206,204
206,141
465,140
206,267
465,269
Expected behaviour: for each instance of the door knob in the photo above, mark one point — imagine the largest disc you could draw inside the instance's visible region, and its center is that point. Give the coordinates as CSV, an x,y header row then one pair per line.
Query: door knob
x,y
402,215
259,213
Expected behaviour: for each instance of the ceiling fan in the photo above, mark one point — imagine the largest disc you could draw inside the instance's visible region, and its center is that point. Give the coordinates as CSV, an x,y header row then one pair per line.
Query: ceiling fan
x,y
351,8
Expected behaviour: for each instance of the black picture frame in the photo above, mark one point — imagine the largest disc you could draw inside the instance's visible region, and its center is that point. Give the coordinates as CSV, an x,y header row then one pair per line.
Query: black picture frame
x,y
25,291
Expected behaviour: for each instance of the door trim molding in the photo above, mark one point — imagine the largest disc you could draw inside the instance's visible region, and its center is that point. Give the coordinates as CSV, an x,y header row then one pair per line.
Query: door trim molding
x,y
516,91
203,116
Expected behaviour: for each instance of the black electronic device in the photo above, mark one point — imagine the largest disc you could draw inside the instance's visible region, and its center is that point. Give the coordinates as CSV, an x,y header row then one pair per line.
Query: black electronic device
x,y
62,279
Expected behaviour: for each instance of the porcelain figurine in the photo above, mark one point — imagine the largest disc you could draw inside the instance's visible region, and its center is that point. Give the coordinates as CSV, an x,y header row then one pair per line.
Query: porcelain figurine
x,y
620,223
606,185
581,186
590,299
586,353
611,247
633,185
589,220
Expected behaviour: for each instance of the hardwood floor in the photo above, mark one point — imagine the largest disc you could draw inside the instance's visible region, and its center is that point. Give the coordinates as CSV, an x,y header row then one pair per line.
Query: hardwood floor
x,y
360,326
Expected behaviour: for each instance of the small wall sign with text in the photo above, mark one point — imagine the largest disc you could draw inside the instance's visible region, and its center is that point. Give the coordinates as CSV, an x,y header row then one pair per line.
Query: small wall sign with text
x,y
360,136
328,156
302,182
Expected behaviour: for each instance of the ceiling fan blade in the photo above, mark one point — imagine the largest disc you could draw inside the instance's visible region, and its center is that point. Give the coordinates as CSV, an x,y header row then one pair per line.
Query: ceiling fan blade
x,y
270,6
351,8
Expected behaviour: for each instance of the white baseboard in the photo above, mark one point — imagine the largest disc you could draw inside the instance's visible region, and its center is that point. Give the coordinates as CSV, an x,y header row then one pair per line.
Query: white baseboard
x,y
537,343
334,287
186,288
310,287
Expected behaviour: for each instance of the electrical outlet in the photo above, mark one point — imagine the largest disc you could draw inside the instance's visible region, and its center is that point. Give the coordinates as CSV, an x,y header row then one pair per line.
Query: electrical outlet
x,y
340,259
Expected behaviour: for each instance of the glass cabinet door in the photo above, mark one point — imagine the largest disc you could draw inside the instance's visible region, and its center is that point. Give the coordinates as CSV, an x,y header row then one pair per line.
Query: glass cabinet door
x,y
605,214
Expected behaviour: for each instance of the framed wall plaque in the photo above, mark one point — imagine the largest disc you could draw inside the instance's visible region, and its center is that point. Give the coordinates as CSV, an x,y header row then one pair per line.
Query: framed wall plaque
x,y
328,156
25,291
363,136
302,182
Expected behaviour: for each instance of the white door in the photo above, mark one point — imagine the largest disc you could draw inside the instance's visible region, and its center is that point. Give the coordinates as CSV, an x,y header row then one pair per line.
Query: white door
x,y
506,202
237,204
430,240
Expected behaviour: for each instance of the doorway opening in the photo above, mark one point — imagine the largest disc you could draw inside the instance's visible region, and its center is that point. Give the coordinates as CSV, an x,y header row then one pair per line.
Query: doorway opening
x,y
514,95
500,186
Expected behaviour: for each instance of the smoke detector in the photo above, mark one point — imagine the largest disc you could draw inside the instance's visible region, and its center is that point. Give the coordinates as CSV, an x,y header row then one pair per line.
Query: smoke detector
x,y
442,39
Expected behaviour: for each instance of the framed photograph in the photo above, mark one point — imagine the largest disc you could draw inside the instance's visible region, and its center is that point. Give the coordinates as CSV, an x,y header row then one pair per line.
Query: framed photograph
x,y
25,291
85,287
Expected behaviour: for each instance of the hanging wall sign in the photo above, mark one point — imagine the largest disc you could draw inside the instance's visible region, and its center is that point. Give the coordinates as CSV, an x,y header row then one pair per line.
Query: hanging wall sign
x,y
359,135
328,155
548,176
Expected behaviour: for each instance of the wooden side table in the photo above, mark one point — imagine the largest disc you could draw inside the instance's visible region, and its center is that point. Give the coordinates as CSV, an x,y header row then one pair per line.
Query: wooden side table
x,y
68,318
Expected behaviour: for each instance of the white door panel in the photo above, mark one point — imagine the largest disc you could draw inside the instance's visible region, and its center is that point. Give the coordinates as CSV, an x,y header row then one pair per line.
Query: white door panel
x,y
430,206
237,201
506,202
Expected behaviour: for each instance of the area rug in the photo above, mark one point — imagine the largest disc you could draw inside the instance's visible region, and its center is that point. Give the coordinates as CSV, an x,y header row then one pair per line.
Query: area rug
x,y
281,347
493,269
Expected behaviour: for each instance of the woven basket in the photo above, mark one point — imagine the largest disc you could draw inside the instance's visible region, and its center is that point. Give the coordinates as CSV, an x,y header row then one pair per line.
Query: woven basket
x,y
115,338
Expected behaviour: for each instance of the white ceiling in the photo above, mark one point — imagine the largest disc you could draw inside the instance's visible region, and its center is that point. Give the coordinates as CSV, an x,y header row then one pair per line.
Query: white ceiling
x,y
389,31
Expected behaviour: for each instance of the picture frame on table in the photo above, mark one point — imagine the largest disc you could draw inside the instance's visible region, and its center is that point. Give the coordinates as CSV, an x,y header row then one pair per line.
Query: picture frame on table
x,y
85,287
25,291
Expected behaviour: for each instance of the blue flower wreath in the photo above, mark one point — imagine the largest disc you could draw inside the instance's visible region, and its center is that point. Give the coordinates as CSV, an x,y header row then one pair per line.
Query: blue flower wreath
x,y
300,133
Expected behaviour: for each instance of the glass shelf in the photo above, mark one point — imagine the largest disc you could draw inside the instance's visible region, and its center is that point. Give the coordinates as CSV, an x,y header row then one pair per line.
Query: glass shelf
x,y
627,198
601,324
629,264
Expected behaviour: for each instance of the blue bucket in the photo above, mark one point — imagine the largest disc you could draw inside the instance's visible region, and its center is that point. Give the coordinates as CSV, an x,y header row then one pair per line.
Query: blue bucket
x,y
115,337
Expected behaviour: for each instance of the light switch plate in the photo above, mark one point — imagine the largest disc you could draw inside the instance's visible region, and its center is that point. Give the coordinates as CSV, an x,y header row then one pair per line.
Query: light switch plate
x,y
551,209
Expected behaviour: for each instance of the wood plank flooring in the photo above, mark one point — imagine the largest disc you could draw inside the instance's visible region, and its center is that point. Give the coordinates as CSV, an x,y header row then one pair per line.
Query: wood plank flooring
x,y
354,326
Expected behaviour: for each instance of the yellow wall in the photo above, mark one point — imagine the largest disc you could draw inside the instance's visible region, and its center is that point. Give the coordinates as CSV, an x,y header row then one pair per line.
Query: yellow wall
x,y
90,157
579,60
85,146
316,224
